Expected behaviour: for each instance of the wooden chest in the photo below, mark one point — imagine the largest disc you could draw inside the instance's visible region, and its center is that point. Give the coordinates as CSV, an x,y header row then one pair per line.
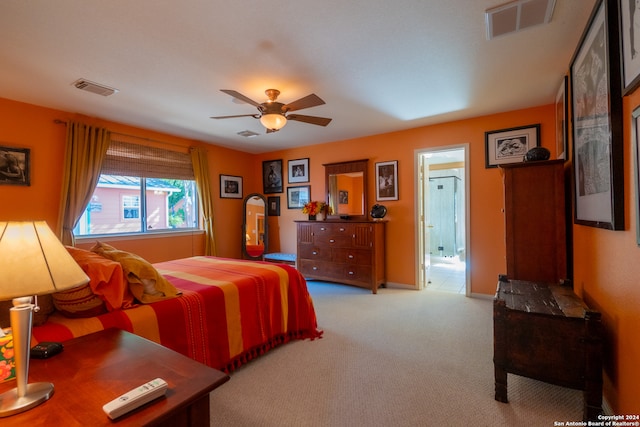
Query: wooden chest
x,y
547,333
350,252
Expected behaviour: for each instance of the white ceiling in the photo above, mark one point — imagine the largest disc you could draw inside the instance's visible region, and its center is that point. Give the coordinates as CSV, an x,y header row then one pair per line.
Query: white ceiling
x,y
380,65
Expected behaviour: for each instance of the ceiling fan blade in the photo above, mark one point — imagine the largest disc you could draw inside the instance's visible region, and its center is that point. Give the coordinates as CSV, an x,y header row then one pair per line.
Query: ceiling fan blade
x,y
255,116
308,101
320,121
240,96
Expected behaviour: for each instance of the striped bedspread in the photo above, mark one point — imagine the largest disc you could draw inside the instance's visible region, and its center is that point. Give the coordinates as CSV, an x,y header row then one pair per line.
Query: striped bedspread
x,y
230,311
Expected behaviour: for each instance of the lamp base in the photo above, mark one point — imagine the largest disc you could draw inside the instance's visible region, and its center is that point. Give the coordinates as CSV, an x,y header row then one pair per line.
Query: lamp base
x,y
37,393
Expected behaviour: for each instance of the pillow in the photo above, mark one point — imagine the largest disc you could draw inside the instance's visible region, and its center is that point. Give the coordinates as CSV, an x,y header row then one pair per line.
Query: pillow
x,y
79,302
45,302
106,281
145,282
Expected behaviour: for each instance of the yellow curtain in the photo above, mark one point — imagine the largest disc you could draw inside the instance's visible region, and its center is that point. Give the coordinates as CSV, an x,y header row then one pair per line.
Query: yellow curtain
x,y
203,181
85,151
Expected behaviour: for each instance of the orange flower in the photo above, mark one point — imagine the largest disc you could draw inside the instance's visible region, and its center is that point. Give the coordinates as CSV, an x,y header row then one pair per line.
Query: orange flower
x,y
313,207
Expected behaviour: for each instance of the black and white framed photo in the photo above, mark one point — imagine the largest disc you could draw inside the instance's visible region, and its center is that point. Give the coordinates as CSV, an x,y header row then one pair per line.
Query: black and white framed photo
x,y
630,39
507,146
562,115
387,180
298,170
230,187
272,176
298,196
15,166
596,106
273,205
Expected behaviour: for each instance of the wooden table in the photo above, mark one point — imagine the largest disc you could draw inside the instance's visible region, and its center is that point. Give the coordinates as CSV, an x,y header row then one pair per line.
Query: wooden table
x,y
94,369
547,333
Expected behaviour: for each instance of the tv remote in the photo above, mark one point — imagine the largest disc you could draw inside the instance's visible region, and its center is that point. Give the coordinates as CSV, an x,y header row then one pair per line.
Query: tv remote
x,y
135,398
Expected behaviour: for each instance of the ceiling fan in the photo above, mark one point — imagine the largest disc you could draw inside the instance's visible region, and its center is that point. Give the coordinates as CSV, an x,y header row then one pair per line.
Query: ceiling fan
x,y
274,115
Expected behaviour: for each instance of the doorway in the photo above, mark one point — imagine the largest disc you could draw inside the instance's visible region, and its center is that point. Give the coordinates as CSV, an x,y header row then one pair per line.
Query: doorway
x,y
443,219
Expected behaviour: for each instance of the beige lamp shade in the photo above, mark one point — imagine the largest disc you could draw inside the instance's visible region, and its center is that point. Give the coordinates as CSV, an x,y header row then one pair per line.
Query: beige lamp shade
x,y
34,262
273,121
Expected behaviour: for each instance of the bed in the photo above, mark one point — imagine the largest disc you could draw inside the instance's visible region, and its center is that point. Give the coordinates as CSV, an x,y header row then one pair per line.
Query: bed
x,y
226,313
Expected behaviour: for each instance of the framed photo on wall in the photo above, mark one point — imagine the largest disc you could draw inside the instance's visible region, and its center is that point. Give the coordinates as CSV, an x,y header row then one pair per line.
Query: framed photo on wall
x,y
630,40
272,176
15,166
387,180
507,146
298,196
596,101
298,170
230,187
273,205
562,113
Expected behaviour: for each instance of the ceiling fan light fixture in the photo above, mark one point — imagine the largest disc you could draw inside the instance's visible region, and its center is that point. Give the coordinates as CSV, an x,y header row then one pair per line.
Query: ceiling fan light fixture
x,y
273,121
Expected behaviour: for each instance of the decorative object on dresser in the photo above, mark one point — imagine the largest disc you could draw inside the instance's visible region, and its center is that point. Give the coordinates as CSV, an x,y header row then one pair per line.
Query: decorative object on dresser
x,y
596,108
378,212
350,252
545,332
536,221
507,146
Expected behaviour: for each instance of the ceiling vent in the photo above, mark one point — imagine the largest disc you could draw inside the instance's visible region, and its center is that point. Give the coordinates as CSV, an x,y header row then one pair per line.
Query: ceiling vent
x,y
248,134
517,15
93,87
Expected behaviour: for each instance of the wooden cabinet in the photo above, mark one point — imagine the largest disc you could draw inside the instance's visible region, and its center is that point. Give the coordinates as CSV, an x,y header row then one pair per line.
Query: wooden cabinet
x,y
536,221
350,252
547,333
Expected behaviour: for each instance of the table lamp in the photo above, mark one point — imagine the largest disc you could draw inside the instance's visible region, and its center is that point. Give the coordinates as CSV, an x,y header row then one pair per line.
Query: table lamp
x,y
32,262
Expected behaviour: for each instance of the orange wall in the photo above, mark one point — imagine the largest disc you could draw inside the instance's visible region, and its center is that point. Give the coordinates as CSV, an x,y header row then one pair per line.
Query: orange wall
x,y
605,265
28,126
606,271
487,256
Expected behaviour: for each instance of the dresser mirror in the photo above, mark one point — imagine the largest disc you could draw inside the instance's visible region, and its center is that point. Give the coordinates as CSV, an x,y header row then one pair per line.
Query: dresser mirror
x,y
255,235
346,189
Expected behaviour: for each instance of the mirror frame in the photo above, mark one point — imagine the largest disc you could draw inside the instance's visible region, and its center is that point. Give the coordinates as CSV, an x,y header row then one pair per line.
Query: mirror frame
x,y
244,227
348,167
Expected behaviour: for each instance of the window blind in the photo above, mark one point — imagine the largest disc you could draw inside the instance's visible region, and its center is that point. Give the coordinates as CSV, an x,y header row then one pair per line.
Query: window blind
x,y
130,159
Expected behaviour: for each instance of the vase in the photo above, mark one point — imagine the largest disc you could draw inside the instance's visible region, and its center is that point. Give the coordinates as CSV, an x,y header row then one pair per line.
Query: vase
x,y
312,217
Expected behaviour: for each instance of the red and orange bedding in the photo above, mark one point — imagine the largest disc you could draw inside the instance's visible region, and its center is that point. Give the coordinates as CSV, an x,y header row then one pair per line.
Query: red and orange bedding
x,y
230,311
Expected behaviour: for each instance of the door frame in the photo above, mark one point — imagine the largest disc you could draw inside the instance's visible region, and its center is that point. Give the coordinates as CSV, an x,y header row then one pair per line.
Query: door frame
x,y
421,220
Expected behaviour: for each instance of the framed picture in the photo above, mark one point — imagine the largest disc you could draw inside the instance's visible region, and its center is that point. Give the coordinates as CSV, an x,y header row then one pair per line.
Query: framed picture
x,y
15,166
298,196
510,145
387,180
230,187
298,170
630,38
635,135
272,176
562,115
343,197
273,205
596,106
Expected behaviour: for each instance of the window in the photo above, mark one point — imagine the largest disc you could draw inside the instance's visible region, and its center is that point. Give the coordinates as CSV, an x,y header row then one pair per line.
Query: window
x,y
141,190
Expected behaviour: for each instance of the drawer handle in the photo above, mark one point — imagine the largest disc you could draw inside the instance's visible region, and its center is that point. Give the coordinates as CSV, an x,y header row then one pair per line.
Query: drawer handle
x,y
351,273
314,253
332,241
315,268
350,256
342,228
322,229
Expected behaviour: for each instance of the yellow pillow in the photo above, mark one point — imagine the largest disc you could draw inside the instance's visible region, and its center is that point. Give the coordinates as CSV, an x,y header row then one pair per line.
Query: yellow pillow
x,y
145,282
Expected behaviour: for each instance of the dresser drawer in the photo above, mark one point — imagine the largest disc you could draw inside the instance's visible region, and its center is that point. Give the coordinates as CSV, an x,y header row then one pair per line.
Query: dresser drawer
x,y
321,269
358,273
351,256
315,252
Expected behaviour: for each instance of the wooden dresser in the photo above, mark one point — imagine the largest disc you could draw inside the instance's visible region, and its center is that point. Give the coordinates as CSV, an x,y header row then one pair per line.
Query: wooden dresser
x,y
546,332
350,252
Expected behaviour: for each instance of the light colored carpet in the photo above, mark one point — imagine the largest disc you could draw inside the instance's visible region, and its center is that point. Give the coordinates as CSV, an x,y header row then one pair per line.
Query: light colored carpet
x,y
399,358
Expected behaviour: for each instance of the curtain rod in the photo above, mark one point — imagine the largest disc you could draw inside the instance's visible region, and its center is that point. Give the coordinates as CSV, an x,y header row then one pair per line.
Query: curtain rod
x,y
62,122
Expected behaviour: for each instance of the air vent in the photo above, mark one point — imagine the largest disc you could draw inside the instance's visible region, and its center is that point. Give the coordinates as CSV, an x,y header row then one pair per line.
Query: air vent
x,y
517,15
248,134
93,87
